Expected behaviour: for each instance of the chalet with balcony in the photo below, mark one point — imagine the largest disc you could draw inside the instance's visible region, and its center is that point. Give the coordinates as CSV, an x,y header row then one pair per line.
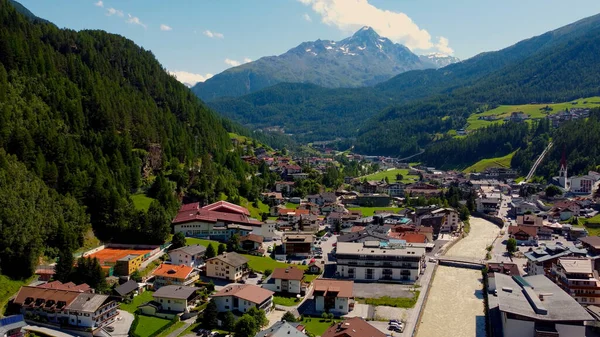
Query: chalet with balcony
x,y
242,297
334,296
577,278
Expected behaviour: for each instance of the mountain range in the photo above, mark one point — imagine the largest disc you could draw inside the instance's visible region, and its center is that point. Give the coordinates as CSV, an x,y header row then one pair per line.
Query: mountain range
x,y
364,59
409,111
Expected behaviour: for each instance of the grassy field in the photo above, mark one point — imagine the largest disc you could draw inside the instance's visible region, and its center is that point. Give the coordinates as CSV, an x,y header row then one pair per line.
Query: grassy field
x,y
391,175
317,326
205,243
398,302
533,110
147,325
140,299
290,205
483,164
189,329
262,263
9,287
255,212
368,211
285,301
171,329
309,278
141,201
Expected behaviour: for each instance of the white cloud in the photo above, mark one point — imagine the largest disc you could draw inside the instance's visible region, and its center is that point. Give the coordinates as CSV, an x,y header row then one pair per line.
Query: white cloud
x,y
232,63
351,15
235,63
442,46
135,20
306,17
165,28
213,35
100,3
111,11
190,78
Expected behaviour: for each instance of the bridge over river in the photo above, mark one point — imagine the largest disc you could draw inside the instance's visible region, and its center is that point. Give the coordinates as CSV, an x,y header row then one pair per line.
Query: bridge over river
x,y
461,262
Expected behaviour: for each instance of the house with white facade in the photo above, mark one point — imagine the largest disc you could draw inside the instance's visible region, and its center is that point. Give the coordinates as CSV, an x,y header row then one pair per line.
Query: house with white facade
x,y
285,280
334,296
228,266
374,260
191,256
242,297
171,300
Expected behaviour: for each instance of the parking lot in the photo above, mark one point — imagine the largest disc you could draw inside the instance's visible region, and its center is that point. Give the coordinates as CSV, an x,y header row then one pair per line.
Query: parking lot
x,y
370,290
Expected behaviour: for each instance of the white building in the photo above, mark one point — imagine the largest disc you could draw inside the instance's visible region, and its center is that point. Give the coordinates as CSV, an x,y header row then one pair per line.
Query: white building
x,y
333,296
373,260
285,280
534,306
228,266
171,299
242,297
191,256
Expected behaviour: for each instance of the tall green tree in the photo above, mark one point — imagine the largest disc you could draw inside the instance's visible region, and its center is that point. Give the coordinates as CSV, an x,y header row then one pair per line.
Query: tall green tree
x,y
222,248
63,269
259,316
209,316
246,326
233,244
210,251
228,322
178,240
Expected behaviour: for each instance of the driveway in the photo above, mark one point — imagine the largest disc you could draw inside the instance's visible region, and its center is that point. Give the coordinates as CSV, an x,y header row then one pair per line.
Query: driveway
x,y
122,323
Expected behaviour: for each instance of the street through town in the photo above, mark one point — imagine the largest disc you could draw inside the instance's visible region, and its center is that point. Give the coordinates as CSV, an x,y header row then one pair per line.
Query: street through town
x,y
455,303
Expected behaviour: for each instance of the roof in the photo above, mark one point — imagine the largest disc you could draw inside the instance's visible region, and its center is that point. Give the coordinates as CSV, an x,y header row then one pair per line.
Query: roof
x,y
191,250
126,287
173,271
366,233
212,216
174,291
26,292
281,329
538,298
337,288
289,273
410,237
507,268
353,327
11,323
297,237
253,238
226,207
349,248
529,230
593,241
231,258
66,286
88,302
248,292
573,265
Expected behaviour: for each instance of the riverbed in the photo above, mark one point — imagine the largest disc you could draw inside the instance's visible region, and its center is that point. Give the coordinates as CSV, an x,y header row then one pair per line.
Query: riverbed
x,y
455,303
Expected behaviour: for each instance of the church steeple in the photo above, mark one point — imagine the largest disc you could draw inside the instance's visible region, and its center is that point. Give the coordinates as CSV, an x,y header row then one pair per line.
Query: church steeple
x,y
562,176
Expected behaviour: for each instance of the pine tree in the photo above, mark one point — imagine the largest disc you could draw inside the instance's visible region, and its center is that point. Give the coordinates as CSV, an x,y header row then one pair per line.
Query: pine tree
x,y
63,269
222,248
178,240
228,322
210,251
246,326
209,316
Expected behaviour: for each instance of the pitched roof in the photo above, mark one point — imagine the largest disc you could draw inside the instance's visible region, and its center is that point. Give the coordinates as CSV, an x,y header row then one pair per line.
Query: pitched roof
x,y
126,287
289,273
55,295
88,302
213,216
576,265
593,241
191,250
175,291
246,292
11,323
253,238
66,286
226,207
529,230
173,271
353,327
336,288
281,329
231,258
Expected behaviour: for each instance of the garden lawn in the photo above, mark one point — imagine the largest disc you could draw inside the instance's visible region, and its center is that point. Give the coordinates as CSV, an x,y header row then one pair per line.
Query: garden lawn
x,y
141,202
368,211
205,243
262,263
309,278
140,299
285,301
398,302
391,175
291,205
255,212
171,329
483,164
317,326
189,329
148,325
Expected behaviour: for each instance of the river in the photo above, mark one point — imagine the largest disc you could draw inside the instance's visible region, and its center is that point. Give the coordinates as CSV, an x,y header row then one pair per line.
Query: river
x,y
455,303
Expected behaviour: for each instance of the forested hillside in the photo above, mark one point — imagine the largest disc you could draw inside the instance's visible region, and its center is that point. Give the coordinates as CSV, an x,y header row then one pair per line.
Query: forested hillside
x,y
90,118
555,66
579,139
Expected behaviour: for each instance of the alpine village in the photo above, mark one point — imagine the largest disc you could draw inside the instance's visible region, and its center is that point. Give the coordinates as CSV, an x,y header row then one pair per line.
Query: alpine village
x,y
384,194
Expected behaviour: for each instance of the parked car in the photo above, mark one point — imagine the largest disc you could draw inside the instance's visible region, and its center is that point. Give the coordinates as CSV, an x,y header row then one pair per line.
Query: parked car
x,y
304,263
396,328
252,275
109,328
394,321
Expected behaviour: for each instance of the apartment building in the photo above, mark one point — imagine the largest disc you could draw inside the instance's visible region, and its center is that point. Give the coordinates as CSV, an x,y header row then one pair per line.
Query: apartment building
x,y
169,274
242,297
375,260
191,256
228,266
576,277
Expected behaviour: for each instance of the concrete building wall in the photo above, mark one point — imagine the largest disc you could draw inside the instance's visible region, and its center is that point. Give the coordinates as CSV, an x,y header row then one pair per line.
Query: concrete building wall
x,y
172,304
513,327
571,330
218,269
181,258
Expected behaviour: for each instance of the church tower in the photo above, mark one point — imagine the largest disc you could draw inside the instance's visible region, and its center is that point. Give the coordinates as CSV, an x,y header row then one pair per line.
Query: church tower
x,y
563,179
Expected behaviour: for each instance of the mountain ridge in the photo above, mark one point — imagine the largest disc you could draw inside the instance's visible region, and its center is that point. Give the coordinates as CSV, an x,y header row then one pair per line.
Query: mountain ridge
x,y
363,59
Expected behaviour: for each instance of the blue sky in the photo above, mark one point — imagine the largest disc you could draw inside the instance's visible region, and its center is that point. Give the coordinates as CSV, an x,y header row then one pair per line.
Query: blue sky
x,y
197,38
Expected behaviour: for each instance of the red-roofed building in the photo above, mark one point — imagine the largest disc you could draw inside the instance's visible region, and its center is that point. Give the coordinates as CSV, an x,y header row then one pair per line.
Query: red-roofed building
x,y
219,221
169,274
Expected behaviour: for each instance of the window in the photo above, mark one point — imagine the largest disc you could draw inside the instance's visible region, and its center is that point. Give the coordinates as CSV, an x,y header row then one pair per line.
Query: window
x,y
341,307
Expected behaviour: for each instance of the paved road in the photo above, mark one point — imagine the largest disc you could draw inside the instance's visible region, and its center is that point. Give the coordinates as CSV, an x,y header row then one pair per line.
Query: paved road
x,y
122,324
186,324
